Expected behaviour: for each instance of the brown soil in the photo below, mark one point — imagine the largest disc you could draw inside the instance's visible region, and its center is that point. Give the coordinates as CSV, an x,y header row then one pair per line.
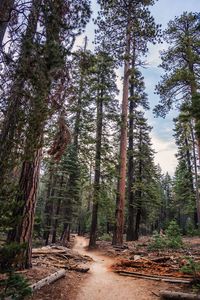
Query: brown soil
x,y
100,283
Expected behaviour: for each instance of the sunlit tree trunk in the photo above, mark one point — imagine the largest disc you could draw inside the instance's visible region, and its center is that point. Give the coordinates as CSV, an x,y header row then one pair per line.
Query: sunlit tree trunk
x,y
120,200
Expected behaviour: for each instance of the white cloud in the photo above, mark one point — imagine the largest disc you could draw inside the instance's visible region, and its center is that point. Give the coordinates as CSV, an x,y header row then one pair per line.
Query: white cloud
x,y
153,58
165,153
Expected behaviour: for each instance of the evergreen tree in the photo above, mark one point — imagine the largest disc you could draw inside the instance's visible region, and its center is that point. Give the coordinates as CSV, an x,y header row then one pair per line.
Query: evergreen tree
x,y
179,85
49,57
105,89
145,186
184,178
117,23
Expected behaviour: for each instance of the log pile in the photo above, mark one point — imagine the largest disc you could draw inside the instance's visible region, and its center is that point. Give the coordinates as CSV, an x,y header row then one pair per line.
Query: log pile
x,y
159,268
60,257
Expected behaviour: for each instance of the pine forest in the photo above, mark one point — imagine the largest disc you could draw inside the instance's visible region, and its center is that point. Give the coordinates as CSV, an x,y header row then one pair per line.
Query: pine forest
x,y
99,149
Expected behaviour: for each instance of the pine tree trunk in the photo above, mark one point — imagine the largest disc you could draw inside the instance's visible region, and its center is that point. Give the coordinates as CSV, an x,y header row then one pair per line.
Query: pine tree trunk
x,y
97,174
14,119
139,192
55,224
49,207
193,89
120,199
65,236
196,176
6,7
25,208
130,193
137,223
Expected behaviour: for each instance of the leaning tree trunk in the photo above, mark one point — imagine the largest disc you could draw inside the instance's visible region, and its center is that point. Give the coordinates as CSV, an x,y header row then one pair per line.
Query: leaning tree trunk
x,y
6,7
97,174
25,208
120,199
14,120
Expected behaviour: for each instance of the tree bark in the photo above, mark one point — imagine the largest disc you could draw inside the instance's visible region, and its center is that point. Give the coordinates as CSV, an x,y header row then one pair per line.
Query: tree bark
x,y
120,199
139,192
25,208
55,224
14,116
49,207
195,175
97,174
193,90
166,295
130,193
6,7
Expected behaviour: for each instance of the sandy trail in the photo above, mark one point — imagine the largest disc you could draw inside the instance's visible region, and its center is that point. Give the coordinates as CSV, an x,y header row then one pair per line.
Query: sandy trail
x,y
103,284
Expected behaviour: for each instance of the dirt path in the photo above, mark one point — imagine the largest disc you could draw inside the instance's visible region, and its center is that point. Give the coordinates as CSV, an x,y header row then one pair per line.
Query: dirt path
x,y
102,284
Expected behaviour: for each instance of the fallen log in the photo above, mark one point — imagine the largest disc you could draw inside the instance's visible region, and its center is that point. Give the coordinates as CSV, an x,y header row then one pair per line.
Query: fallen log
x,y
47,280
162,259
165,295
79,269
153,277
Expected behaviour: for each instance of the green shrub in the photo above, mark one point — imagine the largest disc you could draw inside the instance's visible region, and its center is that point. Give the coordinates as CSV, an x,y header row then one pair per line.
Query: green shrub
x,y
15,286
106,237
158,242
192,268
11,255
173,235
171,239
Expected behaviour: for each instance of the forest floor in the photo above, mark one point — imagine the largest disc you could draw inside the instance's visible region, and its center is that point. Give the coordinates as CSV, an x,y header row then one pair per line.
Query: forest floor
x,y
106,264
101,282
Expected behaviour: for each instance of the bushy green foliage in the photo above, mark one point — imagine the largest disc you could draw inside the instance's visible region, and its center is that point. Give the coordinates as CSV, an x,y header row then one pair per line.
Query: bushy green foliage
x,y
11,255
192,268
15,286
190,229
171,239
173,236
158,242
106,237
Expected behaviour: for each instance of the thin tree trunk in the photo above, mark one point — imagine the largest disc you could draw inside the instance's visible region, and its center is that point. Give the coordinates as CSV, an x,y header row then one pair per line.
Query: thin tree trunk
x,y
49,208
195,175
97,174
193,89
73,177
120,199
65,234
139,193
6,7
130,193
137,222
55,225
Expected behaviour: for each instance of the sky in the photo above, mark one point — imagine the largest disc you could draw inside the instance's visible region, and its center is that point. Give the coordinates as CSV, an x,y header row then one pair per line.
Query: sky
x,y
162,133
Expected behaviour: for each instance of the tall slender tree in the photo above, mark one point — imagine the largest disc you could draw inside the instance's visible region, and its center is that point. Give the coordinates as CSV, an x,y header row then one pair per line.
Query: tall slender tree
x,y
117,23
105,92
